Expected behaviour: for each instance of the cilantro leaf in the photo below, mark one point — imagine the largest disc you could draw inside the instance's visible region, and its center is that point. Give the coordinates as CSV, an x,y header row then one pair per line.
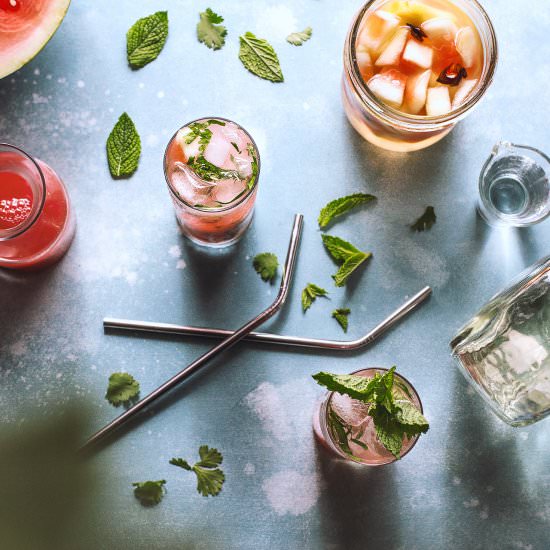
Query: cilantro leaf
x,y
341,315
146,38
209,32
344,253
123,148
149,493
298,38
425,221
209,477
122,389
342,205
266,265
259,57
310,293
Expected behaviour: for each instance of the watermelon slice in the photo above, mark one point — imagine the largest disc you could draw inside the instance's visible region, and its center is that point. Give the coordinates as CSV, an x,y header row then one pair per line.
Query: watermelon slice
x,y
25,28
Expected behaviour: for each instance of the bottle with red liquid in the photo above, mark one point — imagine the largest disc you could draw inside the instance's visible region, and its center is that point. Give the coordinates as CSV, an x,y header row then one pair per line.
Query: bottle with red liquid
x,y
37,223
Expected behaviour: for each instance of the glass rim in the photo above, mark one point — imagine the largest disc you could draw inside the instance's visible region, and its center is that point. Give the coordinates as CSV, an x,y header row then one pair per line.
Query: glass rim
x,y
7,234
328,399
226,207
409,121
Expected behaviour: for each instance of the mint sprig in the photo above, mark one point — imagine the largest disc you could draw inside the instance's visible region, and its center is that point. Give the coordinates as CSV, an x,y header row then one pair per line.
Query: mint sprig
x,y
298,38
341,206
123,148
309,295
425,221
345,254
209,31
259,57
341,315
146,38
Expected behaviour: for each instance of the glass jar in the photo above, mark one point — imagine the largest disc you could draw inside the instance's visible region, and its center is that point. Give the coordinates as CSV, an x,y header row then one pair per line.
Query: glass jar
x,y
397,131
504,351
37,223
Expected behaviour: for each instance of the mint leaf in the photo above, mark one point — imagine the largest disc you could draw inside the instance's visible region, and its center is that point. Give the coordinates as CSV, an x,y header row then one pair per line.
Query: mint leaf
x,y
209,477
259,57
349,266
122,389
413,421
341,315
266,265
388,430
149,493
298,38
310,293
339,249
342,205
146,38
123,148
425,221
209,32
357,387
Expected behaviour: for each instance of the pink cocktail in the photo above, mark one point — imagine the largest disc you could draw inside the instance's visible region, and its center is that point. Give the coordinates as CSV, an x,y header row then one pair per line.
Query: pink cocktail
x,y
37,223
212,166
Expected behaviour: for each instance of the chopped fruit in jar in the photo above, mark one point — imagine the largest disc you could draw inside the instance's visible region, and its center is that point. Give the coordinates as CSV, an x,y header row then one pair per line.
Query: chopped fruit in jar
x,y
377,29
463,91
392,52
389,86
466,45
439,28
452,75
416,91
438,101
418,54
364,62
414,12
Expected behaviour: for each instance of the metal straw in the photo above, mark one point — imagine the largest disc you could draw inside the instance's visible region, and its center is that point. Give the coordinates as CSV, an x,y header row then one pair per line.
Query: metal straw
x,y
232,339
315,343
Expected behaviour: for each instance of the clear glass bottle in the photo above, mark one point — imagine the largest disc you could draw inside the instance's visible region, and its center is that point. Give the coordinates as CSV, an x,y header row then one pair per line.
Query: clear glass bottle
x,y
397,131
504,351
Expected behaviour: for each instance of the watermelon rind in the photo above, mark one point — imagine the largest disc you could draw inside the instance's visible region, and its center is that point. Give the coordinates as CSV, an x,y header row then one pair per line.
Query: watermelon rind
x,y
31,46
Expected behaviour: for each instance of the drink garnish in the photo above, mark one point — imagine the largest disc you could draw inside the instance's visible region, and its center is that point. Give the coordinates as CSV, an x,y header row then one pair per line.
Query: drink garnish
x,y
452,75
123,148
209,31
266,265
417,32
425,221
393,418
259,57
298,38
210,478
146,38
345,254
341,315
342,205
123,389
309,295
149,493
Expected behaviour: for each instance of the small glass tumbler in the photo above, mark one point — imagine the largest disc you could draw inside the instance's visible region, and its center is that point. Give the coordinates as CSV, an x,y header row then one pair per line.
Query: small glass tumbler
x,y
514,186
504,351
227,206
342,425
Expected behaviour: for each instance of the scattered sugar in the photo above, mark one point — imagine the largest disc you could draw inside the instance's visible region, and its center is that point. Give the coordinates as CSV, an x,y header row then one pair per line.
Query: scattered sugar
x,y
141,85
180,264
18,348
249,469
456,480
80,84
160,94
152,140
37,98
131,278
275,22
36,72
289,492
472,503
175,251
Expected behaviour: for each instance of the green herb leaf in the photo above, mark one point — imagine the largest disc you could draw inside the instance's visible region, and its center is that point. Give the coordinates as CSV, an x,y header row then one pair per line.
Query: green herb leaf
x,y
149,493
349,266
259,57
425,221
410,417
388,430
298,38
209,32
357,387
310,293
342,205
266,265
209,477
254,165
339,249
341,315
146,38
122,389
123,148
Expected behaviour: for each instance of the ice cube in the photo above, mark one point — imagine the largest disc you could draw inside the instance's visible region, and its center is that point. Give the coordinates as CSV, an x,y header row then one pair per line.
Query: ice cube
x,y
439,28
189,149
351,411
416,91
418,53
227,190
364,62
438,101
389,86
466,45
233,135
378,28
243,164
188,185
218,149
392,52
463,91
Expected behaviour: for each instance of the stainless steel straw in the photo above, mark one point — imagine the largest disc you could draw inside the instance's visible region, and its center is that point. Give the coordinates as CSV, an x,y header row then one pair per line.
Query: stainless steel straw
x,y
232,339
315,343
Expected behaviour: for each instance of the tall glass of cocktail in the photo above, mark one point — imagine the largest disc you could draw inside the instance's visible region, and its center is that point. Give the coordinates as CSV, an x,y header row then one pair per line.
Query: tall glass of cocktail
x,y
212,166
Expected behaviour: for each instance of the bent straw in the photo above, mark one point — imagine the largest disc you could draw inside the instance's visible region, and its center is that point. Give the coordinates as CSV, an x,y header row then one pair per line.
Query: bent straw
x,y
231,340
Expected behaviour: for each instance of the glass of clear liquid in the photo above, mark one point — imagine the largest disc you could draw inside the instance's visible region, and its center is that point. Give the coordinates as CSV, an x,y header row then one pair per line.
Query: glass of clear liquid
x,y
504,351
514,186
